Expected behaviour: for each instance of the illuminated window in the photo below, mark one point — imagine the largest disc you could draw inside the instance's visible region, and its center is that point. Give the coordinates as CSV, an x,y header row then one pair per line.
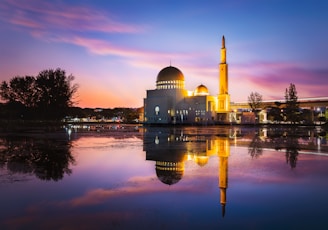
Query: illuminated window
x,y
156,109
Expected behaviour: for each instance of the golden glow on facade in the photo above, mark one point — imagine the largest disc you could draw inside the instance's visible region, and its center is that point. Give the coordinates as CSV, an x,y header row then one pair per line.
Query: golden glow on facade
x,y
224,97
174,84
201,90
190,93
187,107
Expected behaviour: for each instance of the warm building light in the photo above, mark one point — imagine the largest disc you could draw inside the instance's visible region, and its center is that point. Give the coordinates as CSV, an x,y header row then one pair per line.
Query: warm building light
x,y
190,93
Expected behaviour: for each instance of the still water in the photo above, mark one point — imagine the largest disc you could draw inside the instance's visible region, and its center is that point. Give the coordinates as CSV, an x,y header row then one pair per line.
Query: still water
x,y
105,177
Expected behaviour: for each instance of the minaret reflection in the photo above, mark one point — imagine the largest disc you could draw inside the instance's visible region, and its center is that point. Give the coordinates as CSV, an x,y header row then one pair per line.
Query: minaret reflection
x,y
223,154
170,149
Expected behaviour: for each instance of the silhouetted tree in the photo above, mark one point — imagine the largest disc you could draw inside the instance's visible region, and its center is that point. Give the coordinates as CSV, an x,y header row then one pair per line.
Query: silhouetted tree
x,y
20,94
46,96
255,102
292,105
55,92
20,89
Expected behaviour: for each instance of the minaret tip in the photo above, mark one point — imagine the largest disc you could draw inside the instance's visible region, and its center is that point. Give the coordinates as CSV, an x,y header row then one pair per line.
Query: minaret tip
x,y
223,42
223,210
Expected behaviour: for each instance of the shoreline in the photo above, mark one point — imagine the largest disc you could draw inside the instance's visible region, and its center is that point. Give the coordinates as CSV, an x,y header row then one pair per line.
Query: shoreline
x,y
43,123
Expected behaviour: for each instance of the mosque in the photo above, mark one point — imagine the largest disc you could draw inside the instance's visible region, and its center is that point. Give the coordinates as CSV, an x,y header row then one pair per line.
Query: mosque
x,y
171,103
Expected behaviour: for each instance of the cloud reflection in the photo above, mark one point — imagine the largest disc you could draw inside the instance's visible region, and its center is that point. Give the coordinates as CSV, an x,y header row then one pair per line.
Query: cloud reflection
x,y
135,186
133,199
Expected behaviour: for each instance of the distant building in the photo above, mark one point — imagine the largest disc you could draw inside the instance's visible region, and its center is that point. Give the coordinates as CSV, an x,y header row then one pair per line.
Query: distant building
x,y
171,103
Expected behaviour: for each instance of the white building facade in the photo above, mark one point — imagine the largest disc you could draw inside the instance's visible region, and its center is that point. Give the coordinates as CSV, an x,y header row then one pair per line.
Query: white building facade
x,y
171,103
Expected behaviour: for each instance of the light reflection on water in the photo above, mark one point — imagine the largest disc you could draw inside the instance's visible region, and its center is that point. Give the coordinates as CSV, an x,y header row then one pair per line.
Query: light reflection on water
x,y
168,178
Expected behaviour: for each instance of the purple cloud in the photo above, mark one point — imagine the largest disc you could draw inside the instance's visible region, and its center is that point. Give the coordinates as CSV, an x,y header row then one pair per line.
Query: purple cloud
x,y
53,17
275,77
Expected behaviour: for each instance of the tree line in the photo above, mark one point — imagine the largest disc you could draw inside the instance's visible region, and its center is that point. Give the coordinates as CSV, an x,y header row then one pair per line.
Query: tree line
x,y
50,96
46,96
287,111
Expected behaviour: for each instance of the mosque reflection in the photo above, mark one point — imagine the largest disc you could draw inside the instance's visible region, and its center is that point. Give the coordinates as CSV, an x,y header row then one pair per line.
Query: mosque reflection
x,y
48,156
171,148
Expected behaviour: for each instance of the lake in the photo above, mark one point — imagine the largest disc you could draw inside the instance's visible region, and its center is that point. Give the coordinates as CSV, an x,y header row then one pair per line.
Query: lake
x,y
134,177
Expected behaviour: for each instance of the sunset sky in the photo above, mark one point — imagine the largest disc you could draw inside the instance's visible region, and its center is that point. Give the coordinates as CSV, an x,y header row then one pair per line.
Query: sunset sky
x,y
116,48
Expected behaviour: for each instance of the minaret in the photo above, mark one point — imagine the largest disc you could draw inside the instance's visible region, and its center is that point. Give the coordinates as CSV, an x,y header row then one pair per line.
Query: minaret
x,y
224,97
223,57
